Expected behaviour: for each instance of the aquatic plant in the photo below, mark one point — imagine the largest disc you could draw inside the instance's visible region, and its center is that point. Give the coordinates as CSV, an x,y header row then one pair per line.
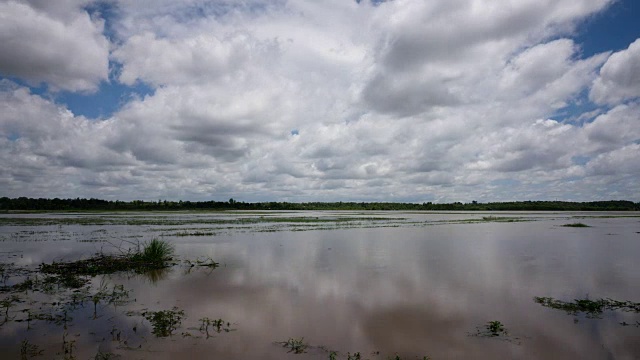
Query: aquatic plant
x,y
577,224
25,285
194,233
8,302
296,346
5,272
217,325
118,295
29,350
71,281
492,218
592,308
67,347
495,328
155,254
164,322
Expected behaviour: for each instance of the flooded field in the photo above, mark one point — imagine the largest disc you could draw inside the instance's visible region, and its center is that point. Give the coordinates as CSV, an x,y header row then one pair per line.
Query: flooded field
x,y
325,285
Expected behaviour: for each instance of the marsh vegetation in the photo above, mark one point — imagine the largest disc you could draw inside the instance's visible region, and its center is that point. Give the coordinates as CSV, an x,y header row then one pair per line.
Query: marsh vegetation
x,y
591,308
153,255
576,225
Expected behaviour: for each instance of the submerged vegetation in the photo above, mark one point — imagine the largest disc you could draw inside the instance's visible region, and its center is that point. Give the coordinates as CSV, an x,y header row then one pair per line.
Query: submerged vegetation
x,y
492,218
299,346
156,254
591,308
28,350
496,329
60,293
216,325
164,322
577,224
296,346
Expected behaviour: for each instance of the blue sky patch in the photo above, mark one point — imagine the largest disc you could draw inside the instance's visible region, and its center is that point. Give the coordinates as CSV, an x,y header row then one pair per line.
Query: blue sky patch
x,y
611,30
107,100
108,12
574,112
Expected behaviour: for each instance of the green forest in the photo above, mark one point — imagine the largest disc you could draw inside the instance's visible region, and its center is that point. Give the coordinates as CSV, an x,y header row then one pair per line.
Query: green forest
x,y
78,204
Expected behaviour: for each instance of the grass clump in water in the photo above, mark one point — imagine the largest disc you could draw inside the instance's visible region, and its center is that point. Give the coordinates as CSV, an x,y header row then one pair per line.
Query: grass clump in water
x,y
164,322
578,225
156,254
296,346
495,328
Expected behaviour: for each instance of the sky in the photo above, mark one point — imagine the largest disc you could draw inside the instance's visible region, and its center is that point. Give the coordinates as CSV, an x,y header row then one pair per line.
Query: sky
x,y
334,100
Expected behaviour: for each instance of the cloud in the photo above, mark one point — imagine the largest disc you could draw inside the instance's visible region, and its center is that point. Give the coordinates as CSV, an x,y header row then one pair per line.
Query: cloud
x,y
47,148
619,161
617,127
336,100
432,53
513,150
202,58
619,78
46,134
61,45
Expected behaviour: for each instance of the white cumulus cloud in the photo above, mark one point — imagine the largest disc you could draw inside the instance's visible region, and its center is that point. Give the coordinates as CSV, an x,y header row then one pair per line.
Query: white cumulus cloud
x,y
619,78
58,44
335,100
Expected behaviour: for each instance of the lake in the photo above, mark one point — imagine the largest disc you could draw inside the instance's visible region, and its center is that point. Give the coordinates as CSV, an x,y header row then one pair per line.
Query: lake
x,y
343,285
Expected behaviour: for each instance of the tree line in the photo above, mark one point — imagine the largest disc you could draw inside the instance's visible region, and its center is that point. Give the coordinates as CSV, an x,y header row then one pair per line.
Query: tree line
x,y
78,204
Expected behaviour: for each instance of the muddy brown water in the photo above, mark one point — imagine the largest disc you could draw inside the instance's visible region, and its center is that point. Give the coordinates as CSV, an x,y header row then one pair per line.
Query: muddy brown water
x,y
383,284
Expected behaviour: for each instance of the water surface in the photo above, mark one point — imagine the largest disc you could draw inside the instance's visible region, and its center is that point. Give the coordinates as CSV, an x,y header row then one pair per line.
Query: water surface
x,y
378,283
